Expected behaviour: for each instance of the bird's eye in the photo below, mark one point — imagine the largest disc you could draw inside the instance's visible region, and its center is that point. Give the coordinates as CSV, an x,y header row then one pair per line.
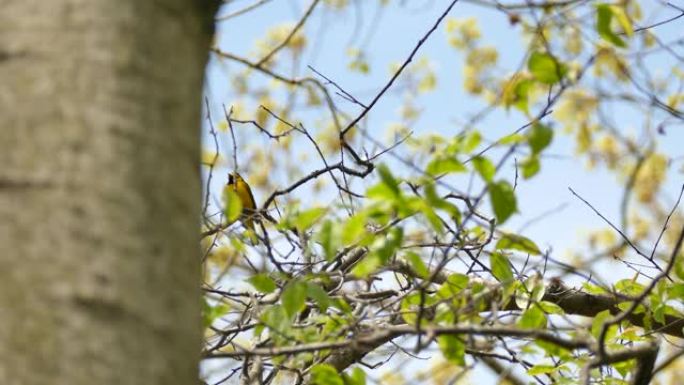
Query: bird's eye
x,y
231,180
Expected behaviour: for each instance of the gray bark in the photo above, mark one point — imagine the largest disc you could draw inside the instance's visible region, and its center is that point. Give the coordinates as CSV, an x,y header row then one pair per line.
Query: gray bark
x,y
100,190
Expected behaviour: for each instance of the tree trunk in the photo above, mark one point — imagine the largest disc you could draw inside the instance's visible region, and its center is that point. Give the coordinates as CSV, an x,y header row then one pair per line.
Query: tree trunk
x,y
100,190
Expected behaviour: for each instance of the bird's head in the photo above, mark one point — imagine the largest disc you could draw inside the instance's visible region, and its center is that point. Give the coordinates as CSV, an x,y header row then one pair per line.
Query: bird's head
x,y
233,178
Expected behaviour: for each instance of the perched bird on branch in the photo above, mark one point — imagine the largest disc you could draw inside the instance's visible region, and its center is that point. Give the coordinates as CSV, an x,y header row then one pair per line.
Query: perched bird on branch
x,y
242,190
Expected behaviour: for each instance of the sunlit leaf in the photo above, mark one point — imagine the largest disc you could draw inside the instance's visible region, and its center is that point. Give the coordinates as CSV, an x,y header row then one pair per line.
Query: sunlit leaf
x,y
530,167
382,249
550,307
471,141
429,213
522,94
409,306
517,242
354,228
454,284
604,15
440,166
325,374
381,192
441,204
452,348
539,137
532,318
305,219
388,179
327,240
545,68
502,198
210,313
275,317
598,321
541,369
232,206
319,295
262,283
500,267
484,167
416,262
629,287
367,265
356,377
294,297
530,292
622,19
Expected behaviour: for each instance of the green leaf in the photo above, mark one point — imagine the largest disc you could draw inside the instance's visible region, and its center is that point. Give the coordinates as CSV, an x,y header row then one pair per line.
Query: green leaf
x,y
409,306
471,141
550,308
342,305
533,318
381,192
539,137
604,15
319,295
356,377
367,265
545,68
327,240
262,283
512,139
294,297
676,291
593,289
441,204
386,247
325,374
530,167
530,291
541,369
429,213
503,200
388,179
552,349
382,249
679,268
212,313
629,287
354,228
484,167
517,242
597,324
305,219
522,94
440,166
500,267
453,348
232,206
623,19
454,284
659,313
416,262
624,368
275,318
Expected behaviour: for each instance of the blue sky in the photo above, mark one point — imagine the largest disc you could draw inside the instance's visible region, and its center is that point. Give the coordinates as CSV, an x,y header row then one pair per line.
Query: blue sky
x,y
389,41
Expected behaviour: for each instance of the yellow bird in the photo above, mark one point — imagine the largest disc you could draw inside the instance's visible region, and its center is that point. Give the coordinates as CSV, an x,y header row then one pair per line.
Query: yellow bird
x,y
241,188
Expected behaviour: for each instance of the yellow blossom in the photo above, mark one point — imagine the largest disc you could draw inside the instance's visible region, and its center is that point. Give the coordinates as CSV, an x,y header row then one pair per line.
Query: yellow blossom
x,y
650,177
608,149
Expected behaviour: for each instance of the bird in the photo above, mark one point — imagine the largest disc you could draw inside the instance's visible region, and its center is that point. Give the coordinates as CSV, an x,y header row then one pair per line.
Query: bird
x,y
244,192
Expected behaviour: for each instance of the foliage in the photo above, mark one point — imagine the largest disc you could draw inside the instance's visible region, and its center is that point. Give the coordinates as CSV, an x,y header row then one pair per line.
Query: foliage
x,y
375,248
